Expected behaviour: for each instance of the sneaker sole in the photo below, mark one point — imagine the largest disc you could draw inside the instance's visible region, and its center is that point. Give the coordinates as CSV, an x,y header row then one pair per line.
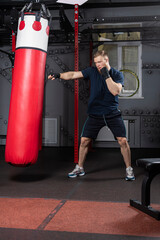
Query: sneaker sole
x,y
74,176
130,179
81,174
78,175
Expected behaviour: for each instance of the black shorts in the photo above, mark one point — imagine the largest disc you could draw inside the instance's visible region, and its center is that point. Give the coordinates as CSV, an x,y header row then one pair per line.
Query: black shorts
x,y
93,124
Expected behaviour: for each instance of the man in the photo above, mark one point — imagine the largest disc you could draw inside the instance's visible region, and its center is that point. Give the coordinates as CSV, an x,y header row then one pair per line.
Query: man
x,y
106,85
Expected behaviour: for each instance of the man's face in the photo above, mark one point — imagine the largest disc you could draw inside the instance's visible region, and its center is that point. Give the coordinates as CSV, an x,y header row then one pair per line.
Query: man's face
x,y
100,62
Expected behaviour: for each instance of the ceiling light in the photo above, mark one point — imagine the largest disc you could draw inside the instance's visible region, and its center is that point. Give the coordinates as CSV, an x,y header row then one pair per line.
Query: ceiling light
x,y
101,39
79,2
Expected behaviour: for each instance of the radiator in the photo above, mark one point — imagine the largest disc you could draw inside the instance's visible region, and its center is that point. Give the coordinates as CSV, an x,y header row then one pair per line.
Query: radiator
x,y
51,131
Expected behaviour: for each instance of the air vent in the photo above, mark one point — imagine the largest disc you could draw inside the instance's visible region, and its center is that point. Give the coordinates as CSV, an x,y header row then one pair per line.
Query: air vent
x,y
51,131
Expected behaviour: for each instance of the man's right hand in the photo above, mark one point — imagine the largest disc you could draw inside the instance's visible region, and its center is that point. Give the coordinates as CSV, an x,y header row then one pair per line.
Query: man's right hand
x,y
105,73
54,76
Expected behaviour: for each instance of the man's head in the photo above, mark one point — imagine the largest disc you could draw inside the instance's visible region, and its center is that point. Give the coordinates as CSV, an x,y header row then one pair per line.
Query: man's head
x,y
101,60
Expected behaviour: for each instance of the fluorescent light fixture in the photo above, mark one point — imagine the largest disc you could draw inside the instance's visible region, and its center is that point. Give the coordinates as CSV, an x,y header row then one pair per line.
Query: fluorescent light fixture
x,y
73,2
119,33
101,39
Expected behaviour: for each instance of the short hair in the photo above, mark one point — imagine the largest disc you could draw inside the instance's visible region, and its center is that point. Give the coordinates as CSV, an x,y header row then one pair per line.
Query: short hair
x,y
102,53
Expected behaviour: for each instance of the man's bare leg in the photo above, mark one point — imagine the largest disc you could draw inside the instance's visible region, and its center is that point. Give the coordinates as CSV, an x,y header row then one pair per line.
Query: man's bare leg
x,y
83,150
125,150
126,153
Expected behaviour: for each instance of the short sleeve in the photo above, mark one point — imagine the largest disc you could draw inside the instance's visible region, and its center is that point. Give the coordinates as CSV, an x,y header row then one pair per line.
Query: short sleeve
x,y
120,78
86,72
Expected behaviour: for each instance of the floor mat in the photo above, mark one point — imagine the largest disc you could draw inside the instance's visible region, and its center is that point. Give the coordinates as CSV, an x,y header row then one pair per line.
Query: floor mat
x,y
77,216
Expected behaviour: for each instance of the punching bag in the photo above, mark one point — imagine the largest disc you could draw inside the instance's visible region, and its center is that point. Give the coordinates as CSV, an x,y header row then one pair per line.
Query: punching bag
x,y
26,103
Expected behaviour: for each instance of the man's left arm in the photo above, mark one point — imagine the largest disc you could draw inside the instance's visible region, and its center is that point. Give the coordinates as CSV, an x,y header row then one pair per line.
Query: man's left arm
x,y
113,87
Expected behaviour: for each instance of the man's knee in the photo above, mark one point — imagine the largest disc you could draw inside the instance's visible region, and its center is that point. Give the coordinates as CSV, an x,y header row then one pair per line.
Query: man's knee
x,y
122,141
85,141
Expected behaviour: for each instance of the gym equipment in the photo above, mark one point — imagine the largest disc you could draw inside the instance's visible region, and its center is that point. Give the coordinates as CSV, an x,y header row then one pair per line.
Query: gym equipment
x,y
26,103
132,76
76,87
152,168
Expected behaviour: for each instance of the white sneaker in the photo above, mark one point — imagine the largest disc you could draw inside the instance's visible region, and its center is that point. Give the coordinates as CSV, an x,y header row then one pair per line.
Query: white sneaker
x,y
129,174
77,171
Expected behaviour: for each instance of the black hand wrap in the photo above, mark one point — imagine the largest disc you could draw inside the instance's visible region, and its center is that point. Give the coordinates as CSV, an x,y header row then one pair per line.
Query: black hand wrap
x,y
56,75
105,73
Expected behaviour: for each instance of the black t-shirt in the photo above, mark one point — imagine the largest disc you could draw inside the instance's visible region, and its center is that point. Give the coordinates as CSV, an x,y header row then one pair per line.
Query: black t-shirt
x,y
102,101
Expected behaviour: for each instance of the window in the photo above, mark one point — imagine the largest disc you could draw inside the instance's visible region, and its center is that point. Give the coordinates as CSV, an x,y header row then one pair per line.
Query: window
x,y
124,50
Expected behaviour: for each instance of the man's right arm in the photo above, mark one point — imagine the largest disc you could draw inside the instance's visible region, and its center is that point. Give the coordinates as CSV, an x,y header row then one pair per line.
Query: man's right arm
x,y
66,75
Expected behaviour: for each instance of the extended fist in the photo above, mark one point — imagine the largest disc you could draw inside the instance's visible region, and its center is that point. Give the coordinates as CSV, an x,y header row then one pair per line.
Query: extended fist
x,y
54,76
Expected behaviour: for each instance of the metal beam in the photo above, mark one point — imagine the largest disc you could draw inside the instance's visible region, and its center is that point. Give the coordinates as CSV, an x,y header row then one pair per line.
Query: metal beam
x,y
125,29
52,4
76,88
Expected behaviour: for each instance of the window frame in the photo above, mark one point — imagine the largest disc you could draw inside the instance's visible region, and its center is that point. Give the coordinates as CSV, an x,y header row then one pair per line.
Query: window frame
x,y
128,93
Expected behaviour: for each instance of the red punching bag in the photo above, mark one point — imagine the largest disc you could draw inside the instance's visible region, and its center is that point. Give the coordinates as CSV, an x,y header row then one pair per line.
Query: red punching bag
x,y
26,103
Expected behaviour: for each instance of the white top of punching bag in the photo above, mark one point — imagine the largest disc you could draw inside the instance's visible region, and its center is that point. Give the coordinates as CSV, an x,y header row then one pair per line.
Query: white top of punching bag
x,y
31,33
